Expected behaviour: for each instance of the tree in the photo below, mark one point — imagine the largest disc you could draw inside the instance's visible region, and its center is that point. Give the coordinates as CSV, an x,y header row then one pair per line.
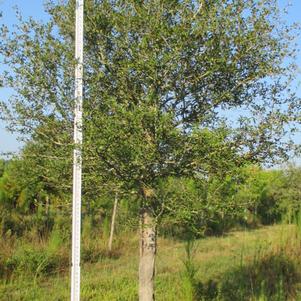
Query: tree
x,y
256,191
159,77
18,198
113,223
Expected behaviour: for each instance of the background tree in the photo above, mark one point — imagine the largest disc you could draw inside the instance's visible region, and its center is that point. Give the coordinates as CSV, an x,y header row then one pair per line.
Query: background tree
x,y
158,76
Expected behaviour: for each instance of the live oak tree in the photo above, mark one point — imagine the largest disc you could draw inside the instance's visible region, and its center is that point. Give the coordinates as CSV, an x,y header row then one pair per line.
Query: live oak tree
x,y
159,76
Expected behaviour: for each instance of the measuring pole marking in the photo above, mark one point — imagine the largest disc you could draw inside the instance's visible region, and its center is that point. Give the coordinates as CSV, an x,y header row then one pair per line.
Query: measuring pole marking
x,y
77,154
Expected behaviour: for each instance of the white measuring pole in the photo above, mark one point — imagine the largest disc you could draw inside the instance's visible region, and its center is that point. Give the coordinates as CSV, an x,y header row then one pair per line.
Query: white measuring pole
x,y
77,159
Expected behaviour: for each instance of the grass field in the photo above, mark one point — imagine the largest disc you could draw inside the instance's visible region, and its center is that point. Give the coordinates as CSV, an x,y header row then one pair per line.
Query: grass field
x,y
262,264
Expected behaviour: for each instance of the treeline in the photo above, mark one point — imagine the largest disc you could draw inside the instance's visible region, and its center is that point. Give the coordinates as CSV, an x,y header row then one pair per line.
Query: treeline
x,y
199,207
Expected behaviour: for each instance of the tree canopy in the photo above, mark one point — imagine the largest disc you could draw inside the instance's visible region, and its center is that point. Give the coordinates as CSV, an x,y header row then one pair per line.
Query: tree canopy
x,y
156,74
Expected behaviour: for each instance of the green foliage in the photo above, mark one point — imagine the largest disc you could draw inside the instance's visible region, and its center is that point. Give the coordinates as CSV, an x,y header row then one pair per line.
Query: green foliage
x,y
288,193
190,271
269,270
201,206
157,76
32,261
270,195
2,167
257,192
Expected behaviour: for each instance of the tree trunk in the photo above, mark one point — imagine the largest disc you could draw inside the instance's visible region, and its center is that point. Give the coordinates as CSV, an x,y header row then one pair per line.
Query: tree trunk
x,y
47,205
113,222
148,246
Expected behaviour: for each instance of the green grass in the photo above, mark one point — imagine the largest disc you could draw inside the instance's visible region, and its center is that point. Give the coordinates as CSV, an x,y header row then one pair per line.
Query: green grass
x,y
262,264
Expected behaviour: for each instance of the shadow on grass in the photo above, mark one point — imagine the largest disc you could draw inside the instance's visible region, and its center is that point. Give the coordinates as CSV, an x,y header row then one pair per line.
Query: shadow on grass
x,y
272,277
214,229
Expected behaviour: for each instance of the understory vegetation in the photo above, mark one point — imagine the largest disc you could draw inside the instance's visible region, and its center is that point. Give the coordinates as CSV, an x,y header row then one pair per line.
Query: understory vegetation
x,y
253,254
261,264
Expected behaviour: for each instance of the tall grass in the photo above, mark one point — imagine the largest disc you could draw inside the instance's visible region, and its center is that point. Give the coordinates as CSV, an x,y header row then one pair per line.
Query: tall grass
x,y
270,272
262,264
189,275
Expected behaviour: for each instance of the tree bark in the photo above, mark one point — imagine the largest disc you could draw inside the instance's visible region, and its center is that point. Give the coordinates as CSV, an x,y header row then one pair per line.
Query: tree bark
x,y
113,222
148,247
47,205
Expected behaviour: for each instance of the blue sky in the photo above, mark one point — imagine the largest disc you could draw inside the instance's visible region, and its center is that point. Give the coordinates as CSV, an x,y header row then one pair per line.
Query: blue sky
x,y
8,141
